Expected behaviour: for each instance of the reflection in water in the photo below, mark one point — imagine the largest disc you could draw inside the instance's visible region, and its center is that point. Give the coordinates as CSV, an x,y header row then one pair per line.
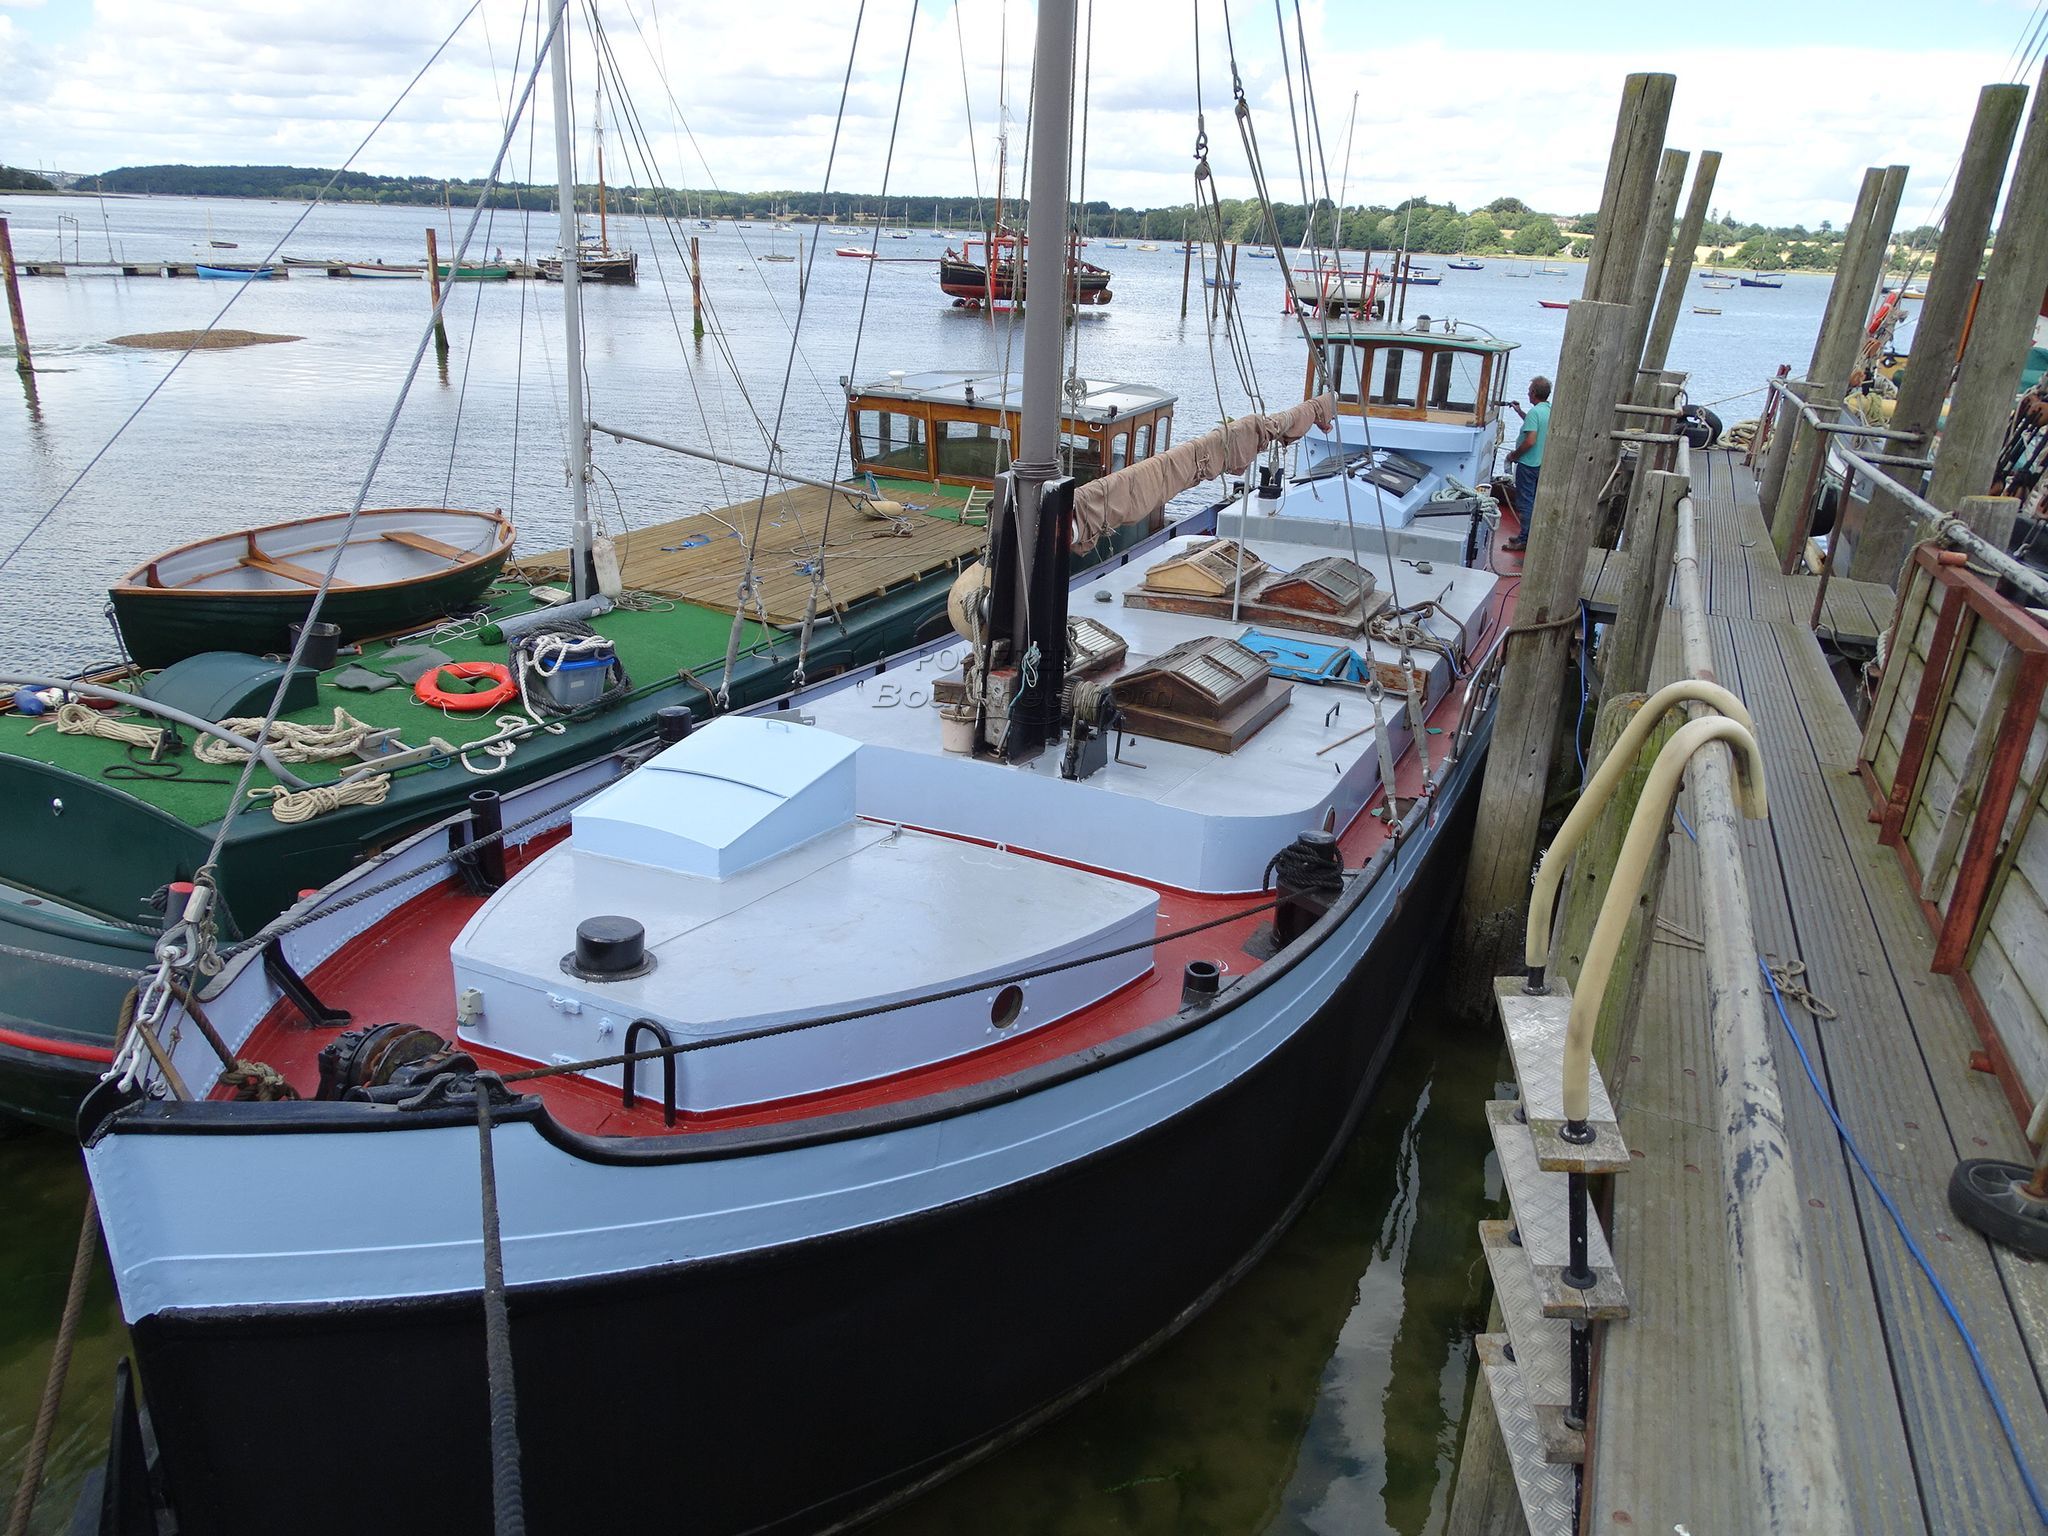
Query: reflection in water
x,y
1325,1392
35,403
45,1182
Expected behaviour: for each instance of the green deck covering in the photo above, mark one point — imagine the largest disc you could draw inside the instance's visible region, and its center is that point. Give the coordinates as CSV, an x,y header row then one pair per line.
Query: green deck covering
x,y
651,644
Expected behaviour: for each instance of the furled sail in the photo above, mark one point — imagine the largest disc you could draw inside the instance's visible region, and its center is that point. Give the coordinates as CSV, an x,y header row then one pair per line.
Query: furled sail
x,y
1133,494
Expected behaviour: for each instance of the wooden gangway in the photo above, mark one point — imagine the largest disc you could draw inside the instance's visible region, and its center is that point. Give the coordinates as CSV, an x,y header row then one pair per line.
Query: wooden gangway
x,y
1741,571
1896,1046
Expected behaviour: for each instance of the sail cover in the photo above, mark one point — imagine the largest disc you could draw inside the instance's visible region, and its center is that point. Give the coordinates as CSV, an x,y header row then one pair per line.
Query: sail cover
x,y
1133,494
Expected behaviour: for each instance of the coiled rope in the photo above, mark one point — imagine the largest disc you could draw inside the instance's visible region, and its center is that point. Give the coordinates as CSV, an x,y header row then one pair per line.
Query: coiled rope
x,y
75,719
292,806
290,740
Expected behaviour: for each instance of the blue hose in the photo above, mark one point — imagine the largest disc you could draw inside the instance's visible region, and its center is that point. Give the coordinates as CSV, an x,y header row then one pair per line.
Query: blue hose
x,y
1948,1305
1585,650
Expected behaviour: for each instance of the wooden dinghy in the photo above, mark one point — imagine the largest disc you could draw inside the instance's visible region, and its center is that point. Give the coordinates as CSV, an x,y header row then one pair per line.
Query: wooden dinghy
x,y
403,566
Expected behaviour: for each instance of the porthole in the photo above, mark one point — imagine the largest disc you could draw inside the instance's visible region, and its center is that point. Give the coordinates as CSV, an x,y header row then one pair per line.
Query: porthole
x,y
1007,1008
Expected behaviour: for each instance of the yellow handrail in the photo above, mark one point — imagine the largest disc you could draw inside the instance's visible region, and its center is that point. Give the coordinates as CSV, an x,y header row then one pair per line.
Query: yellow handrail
x,y
1593,800
1650,822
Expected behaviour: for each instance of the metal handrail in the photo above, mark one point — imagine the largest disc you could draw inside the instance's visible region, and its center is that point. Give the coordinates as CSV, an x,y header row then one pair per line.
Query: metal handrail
x,y
1783,387
1946,528
1592,803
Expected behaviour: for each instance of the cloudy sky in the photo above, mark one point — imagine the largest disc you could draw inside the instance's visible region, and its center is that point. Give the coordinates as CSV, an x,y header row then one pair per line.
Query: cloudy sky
x,y
1465,101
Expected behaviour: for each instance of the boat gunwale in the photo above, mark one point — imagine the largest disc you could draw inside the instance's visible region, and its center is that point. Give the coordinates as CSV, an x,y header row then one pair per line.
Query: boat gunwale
x,y
136,581
214,1117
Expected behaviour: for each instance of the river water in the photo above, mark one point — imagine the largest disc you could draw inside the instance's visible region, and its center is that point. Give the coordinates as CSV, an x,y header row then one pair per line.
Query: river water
x,y
1326,1392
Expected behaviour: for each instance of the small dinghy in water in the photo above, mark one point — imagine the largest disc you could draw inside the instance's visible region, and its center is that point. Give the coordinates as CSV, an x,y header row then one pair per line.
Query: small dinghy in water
x,y
402,567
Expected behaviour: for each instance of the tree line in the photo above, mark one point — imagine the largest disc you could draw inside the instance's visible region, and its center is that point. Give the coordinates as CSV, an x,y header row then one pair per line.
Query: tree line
x,y
13,180
1507,226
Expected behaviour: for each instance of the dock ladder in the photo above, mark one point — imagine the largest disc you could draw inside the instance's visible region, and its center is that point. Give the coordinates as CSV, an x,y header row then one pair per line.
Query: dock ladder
x,y
1553,1272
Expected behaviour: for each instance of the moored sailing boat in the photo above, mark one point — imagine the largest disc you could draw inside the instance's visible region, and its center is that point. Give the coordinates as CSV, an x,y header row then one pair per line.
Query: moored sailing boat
x,y
885,1023
595,258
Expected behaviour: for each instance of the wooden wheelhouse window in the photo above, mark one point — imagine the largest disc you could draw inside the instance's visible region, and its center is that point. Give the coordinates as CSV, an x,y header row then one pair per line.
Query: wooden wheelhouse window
x,y
1344,369
969,450
1085,450
1141,446
1163,440
1456,381
1119,450
891,440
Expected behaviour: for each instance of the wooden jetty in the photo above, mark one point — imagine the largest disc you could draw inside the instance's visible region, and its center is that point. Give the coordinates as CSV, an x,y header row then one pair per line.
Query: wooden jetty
x,y
1798,977
1742,572
1899,1047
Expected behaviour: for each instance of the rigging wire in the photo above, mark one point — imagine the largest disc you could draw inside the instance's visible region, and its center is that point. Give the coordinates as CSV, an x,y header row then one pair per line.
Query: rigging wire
x,y
636,144
967,99
819,586
1077,219
477,304
341,542
767,287
238,290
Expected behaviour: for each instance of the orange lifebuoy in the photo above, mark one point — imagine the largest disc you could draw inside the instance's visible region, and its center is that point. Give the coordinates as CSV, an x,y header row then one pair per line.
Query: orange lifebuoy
x,y
1891,302
428,689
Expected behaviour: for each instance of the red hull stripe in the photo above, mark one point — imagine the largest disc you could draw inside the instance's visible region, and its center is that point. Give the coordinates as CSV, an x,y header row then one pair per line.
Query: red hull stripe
x,y
49,1047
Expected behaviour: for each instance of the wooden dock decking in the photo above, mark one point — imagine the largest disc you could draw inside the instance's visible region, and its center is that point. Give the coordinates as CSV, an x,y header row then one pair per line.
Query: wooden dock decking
x,y
1742,576
702,557
1922,1449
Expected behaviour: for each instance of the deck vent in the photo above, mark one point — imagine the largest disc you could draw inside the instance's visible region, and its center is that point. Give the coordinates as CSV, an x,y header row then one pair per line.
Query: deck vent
x,y
1329,595
1091,646
1207,569
1211,692
1331,585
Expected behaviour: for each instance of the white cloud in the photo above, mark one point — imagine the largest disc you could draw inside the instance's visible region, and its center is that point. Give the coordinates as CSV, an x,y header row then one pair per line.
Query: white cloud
x,y
301,81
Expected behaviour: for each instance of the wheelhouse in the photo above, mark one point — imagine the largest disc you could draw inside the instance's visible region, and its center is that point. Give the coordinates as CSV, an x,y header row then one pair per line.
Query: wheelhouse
x,y
1409,375
958,428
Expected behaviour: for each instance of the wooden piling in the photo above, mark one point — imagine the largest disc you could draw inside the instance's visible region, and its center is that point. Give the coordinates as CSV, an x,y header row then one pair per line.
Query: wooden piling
x,y
1632,165
1187,268
1887,533
1589,373
1781,419
1649,274
1632,642
22,364
434,288
1230,291
696,291
1657,348
1980,406
1835,350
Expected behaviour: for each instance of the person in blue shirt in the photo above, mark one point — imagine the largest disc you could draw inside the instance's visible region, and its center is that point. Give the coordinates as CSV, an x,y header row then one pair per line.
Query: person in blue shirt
x,y
1528,455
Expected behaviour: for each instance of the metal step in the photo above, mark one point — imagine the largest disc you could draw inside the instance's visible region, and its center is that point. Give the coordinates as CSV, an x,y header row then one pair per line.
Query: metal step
x,y
1542,1344
1536,1028
1549,1491
1540,1216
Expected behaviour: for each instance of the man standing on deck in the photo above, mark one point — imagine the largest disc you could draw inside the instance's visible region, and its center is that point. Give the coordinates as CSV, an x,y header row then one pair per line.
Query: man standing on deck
x,y
1528,455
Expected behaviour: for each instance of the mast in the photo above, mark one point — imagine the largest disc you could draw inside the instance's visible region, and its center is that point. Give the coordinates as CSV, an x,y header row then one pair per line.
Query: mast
x,y
604,239
1044,323
572,315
